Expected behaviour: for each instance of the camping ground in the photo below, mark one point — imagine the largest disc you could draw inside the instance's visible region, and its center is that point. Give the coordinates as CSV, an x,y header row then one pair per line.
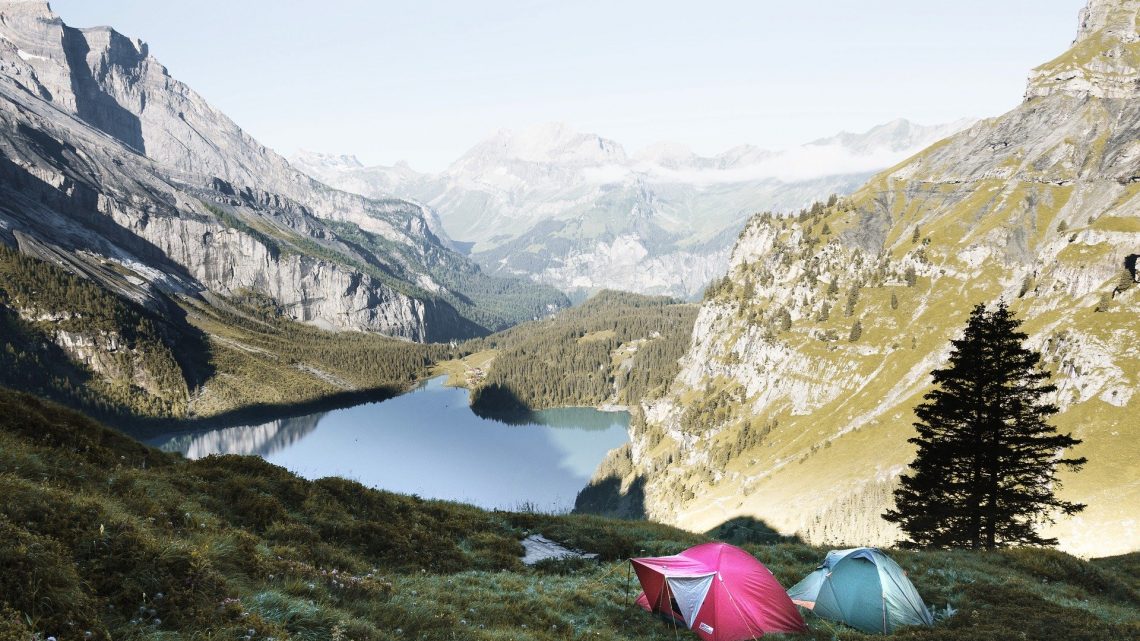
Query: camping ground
x,y
106,536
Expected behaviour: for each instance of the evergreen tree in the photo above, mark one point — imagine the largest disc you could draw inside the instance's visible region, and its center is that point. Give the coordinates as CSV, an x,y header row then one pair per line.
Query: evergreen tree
x,y
910,276
783,319
985,473
824,312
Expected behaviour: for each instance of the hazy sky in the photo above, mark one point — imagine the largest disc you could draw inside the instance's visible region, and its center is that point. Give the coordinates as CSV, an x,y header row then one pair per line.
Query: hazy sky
x,y
423,81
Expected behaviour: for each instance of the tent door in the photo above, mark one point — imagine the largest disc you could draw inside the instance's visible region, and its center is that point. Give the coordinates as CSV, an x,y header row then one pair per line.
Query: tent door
x,y
690,593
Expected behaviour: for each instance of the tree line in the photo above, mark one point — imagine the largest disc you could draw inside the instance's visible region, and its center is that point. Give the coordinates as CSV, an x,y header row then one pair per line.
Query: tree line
x,y
574,358
138,372
145,364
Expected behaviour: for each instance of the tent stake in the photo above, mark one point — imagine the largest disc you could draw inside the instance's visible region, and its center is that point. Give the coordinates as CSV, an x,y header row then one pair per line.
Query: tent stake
x,y
628,573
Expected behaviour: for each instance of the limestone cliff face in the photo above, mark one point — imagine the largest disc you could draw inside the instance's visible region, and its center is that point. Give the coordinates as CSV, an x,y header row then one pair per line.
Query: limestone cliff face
x,y
1103,62
796,398
107,159
90,200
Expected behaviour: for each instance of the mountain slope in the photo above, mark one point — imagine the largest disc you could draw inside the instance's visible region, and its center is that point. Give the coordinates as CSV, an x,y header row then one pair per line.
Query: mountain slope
x,y
578,212
126,175
783,410
612,350
107,539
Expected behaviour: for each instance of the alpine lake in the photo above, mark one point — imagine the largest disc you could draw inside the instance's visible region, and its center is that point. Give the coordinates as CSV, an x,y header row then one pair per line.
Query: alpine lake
x,y
428,442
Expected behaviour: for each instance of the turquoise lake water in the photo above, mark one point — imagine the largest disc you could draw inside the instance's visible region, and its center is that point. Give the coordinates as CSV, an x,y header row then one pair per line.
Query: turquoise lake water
x,y
428,442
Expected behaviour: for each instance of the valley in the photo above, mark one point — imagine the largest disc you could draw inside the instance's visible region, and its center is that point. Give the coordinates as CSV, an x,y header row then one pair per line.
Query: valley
x,y
253,398
430,443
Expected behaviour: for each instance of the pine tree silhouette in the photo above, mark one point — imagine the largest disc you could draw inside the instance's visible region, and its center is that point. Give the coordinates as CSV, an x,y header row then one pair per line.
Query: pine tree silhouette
x,y
985,474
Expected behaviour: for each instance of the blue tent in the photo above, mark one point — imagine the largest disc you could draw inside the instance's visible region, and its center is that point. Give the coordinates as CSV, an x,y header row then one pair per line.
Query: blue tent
x,y
863,588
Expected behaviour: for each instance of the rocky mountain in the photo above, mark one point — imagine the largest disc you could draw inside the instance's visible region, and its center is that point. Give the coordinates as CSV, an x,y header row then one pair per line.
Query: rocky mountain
x,y
576,211
795,400
114,169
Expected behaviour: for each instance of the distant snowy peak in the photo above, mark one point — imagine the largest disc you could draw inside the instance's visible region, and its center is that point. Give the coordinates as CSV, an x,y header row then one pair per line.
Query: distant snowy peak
x,y
899,135
554,155
346,172
666,154
551,143
744,156
513,161
330,162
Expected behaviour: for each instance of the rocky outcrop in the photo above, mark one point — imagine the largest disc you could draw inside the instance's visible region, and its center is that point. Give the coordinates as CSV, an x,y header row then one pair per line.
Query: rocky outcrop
x,y
168,238
1104,61
796,398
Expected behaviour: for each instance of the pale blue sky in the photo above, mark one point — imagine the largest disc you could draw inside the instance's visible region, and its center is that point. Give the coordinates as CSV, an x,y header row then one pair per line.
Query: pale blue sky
x,y
423,81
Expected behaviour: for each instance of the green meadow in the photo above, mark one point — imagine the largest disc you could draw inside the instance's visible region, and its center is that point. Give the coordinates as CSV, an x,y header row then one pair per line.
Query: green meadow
x,y
108,539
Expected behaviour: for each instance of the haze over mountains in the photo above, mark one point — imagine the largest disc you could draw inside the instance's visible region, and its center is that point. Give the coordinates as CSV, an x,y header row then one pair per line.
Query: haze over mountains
x,y
796,398
120,172
578,212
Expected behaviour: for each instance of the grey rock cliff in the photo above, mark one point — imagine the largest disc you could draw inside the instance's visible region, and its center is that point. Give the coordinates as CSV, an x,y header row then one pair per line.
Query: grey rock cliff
x,y
107,159
1103,61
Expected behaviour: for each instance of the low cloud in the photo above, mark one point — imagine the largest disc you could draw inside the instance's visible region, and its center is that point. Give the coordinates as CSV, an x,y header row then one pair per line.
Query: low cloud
x,y
799,164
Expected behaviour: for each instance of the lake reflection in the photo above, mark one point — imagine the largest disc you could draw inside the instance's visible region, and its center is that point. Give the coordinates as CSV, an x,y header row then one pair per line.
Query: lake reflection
x,y
428,442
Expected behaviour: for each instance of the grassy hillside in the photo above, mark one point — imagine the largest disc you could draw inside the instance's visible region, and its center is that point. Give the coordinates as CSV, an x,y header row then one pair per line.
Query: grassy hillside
x,y
66,338
260,358
803,422
796,401
105,536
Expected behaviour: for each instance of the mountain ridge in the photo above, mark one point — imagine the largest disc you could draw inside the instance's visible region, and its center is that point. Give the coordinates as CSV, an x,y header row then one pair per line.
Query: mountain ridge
x,y
207,274
90,111
783,411
577,211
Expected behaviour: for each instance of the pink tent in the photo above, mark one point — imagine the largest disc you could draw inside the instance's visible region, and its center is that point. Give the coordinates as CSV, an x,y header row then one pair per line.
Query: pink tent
x,y
718,591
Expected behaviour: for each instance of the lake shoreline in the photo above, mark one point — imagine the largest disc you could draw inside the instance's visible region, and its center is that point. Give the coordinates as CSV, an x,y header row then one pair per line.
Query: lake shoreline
x,y
428,442
141,429
453,381
147,428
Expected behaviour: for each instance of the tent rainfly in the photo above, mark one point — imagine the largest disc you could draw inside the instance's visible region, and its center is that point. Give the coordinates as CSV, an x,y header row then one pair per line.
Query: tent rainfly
x,y
718,591
863,588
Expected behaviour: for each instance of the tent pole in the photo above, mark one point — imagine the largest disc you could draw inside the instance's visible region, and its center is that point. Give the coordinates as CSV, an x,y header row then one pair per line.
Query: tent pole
x,y
672,615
